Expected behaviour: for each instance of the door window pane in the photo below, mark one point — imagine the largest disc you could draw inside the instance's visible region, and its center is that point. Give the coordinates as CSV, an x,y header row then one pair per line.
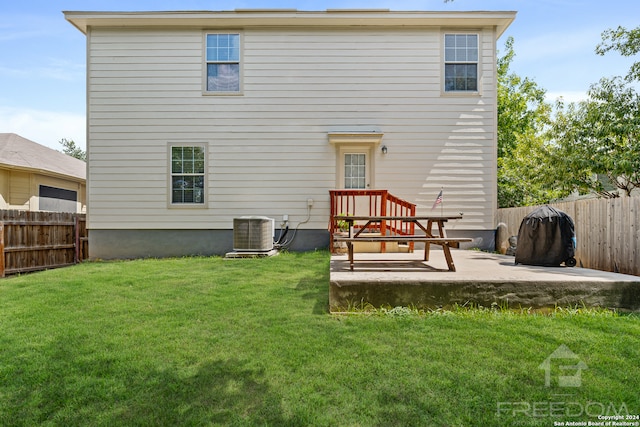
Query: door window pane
x,y
355,171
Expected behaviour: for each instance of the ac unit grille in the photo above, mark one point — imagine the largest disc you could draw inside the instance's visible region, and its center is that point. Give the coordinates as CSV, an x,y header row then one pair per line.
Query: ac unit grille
x,y
253,234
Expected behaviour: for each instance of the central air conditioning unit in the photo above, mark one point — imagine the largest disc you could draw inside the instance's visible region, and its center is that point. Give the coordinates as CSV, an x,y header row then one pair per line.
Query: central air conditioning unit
x,y
253,233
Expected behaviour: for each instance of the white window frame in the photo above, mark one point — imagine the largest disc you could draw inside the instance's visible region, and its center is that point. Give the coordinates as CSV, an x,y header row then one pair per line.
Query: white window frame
x,y
207,61
177,174
459,61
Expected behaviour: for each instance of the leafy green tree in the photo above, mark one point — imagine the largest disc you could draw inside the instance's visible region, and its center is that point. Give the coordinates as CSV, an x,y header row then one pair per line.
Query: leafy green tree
x,y
598,140
626,42
70,148
523,154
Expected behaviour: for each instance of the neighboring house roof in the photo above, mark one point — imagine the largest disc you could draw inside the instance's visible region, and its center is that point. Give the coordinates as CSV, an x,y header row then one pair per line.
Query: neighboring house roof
x,y
22,153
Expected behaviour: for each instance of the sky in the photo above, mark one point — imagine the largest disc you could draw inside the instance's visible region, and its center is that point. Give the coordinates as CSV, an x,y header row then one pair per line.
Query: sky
x,y
43,57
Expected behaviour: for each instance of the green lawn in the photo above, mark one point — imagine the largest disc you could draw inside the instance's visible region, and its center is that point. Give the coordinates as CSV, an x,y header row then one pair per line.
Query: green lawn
x,y
209,341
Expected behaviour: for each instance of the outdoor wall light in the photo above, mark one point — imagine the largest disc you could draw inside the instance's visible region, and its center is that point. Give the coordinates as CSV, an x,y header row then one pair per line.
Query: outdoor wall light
x,y
384,149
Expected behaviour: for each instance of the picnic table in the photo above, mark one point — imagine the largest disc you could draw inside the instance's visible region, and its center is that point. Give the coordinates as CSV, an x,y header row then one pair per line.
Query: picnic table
x,y
430,237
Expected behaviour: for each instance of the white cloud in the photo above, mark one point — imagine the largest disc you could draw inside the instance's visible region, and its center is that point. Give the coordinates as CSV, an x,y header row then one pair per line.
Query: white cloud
x,y
44,127
567,96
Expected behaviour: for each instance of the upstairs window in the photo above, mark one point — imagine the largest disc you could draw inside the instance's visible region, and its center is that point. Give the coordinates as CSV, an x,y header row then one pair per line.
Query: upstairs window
x,y
461,62
187,174
222,54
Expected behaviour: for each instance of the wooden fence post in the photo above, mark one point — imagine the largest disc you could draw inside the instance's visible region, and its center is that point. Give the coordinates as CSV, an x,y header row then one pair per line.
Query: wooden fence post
x,y
1,249
76,229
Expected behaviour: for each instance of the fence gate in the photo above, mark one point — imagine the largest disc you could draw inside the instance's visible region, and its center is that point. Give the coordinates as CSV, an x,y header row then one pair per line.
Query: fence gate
x,y
32,241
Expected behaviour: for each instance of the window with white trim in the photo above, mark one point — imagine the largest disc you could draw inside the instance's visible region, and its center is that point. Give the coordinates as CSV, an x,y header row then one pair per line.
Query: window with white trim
x,y
222,53
187,174
461,62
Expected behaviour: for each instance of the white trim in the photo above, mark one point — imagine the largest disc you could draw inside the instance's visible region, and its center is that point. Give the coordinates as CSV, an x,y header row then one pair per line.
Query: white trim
x,y
83,21
240,90
353,142
443,63
360,138
205,202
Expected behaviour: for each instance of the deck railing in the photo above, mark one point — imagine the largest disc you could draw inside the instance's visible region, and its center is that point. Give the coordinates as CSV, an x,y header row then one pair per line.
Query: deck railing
x,y
372,203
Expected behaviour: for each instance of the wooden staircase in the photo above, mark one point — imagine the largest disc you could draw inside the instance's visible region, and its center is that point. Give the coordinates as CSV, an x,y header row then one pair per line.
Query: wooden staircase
x,y
372,203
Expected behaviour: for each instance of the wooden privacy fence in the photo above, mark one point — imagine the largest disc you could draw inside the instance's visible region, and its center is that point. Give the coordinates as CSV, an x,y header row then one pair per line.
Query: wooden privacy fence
x,y
607,231
32,241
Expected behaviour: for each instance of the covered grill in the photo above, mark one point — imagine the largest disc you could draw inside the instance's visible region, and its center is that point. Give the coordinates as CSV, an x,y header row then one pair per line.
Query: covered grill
x,y
546,237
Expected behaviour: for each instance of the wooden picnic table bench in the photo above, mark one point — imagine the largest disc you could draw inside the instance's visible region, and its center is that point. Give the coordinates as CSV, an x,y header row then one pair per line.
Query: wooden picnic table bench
x,y
439,238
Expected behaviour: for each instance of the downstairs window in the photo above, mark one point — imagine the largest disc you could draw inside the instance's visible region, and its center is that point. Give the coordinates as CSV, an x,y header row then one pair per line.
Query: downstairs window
x,y
187,174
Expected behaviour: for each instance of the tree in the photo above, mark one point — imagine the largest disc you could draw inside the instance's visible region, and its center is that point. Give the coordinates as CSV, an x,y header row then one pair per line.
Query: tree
x,y
70,148
598,140
626,42
591,146
523,155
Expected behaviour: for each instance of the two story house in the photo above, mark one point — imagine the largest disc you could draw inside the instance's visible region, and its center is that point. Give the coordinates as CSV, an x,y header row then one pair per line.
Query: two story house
x,y
198,117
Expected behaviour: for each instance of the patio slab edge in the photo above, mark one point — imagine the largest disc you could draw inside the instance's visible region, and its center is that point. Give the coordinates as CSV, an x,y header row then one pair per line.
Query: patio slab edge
x,y
614,295
481,280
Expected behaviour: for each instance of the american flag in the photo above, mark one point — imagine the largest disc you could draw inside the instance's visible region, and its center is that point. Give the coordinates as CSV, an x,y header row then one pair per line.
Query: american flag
x,y
438,200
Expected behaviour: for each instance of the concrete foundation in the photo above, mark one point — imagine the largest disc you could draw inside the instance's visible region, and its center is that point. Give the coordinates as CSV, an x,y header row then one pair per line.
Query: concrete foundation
x,y
130,244
391,280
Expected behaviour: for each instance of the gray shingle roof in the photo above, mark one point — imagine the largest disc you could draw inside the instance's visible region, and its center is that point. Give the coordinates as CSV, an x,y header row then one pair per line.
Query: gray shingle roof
x,y
16,151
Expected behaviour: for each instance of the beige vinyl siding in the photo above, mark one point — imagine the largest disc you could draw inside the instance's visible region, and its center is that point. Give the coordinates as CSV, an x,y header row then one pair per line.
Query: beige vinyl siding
x,y
19,189
268,150
5,186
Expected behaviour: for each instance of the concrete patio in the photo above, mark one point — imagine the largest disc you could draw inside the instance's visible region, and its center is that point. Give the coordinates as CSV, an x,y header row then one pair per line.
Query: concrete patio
x,y
403,279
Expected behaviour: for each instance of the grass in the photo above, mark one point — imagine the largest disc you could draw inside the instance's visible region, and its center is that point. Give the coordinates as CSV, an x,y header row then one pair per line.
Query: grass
x,y
209,341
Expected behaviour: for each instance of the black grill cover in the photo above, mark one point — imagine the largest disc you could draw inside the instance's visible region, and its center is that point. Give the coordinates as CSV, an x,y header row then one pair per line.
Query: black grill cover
x,y
546,237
